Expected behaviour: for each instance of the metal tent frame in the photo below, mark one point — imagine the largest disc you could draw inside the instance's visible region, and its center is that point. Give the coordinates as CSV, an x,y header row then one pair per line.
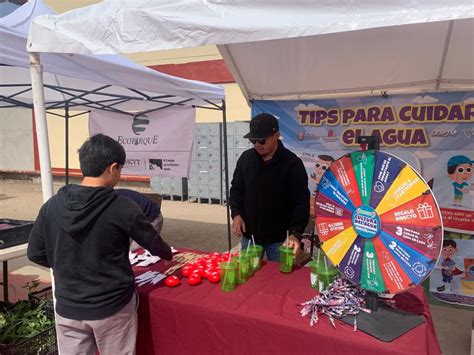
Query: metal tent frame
x,y
102,98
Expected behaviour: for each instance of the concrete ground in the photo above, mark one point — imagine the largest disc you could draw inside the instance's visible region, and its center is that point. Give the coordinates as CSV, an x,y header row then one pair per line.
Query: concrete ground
x,y
198,226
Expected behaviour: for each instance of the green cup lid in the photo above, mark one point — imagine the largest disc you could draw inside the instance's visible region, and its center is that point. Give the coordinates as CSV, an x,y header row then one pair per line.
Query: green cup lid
x,y
285,249
240,256
227,265
329,271
249,251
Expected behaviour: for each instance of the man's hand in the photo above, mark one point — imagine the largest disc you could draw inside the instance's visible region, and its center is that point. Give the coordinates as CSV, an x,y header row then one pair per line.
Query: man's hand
x,y
293,242
238,226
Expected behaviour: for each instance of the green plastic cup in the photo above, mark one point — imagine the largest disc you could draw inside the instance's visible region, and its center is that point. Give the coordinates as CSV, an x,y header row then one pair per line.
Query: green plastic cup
x,y
326,275
257,260
228,275
243,266
286,259
250,254
314,279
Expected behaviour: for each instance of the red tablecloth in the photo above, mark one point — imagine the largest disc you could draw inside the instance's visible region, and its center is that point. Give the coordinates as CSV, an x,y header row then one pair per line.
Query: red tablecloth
x,y
261,316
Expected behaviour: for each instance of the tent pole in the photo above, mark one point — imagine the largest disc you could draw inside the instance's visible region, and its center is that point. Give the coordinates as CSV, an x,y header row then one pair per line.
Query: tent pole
x,y
226,172
442,63
66,118
36,71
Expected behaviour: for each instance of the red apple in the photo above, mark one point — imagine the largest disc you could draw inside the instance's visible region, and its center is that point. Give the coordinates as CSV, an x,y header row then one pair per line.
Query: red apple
x,y
194,279
187,270
215,277
210,264
208,272
223,258
202,261
198,272
172,281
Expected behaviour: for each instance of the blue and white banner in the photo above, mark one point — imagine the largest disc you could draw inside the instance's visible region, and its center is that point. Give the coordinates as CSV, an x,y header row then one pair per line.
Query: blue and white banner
x,y
429,132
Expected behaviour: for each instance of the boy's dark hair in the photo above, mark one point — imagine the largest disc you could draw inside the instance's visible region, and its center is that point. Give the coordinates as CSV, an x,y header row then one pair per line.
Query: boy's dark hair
x,y
326,158
449,243
97,153
452,169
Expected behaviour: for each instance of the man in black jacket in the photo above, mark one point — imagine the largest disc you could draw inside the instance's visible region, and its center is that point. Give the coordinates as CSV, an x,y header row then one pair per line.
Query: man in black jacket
x,y
149,207
269,196
83,233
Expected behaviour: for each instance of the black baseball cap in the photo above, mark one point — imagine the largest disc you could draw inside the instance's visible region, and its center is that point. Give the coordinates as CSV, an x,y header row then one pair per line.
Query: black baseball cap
x,y
262,126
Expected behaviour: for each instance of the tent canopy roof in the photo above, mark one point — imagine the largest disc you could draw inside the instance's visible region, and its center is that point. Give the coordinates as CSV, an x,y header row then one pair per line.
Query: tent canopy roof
x,y
108,82
287,49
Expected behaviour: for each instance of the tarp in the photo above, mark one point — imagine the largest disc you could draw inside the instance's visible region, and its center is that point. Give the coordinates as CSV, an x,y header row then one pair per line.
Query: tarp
x,y
287,49
159,143
111,80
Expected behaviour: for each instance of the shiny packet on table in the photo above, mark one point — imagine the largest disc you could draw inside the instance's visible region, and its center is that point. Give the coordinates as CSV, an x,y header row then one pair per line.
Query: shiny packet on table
x,y
152,277
145,258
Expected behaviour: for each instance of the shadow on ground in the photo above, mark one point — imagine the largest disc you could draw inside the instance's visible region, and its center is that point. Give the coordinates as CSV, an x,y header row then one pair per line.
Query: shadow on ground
x,y
196,235
18,289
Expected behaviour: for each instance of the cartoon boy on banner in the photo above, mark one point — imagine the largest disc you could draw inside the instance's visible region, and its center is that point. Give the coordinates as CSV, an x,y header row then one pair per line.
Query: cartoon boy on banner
x,y
320,166
460,171
448,266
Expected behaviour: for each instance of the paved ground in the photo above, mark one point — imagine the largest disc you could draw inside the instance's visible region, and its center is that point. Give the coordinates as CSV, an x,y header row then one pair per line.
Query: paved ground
x,y
198,226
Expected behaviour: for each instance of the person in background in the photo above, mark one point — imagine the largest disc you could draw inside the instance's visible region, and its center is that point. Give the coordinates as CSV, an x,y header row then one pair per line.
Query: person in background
x,y
151,210
269,196
83,233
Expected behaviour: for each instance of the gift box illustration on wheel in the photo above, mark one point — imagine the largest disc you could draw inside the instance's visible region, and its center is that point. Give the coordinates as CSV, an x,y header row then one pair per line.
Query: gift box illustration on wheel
x,y
425,210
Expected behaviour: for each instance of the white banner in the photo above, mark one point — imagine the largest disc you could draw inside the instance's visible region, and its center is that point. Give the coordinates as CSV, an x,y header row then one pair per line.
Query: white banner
x,y
158,143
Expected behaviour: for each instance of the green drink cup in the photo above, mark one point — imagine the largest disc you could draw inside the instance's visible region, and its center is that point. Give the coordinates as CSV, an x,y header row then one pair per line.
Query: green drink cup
x,y
228,275
250,254
326,275
243,266
286,259
257,260
314,278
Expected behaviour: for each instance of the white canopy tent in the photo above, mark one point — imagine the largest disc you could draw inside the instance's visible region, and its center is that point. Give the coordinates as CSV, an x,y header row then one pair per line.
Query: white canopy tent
x,y
278,49
83,82
122,77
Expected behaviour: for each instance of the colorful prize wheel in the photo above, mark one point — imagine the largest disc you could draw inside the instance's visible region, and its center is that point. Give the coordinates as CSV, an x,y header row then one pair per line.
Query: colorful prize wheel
x,y
378,221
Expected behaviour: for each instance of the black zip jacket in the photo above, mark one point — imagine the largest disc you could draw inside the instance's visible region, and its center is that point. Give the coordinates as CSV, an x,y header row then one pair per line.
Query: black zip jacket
x,y
83,233
272,197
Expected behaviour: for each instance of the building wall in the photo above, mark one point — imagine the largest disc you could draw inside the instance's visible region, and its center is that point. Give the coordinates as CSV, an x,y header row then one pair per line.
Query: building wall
x,y
78,133
16,140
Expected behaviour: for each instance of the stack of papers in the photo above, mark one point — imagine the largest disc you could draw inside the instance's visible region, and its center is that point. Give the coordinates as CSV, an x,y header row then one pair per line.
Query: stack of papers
x,y
143,259
152,277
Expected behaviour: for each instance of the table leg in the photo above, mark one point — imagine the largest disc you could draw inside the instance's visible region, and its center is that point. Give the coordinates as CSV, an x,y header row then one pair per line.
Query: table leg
x,y
5,281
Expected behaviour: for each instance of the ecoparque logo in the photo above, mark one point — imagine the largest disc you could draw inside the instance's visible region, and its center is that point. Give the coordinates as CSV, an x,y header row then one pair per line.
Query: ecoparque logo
x,y
139,124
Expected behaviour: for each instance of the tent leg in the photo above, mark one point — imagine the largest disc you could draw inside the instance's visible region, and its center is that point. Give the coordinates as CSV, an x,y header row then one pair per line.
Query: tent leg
x,y
66,119
36,71
226,172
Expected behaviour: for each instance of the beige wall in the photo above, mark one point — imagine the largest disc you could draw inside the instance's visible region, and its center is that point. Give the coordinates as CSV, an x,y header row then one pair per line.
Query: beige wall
x,y
16,140
78,132
237,108
66,5
176,56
